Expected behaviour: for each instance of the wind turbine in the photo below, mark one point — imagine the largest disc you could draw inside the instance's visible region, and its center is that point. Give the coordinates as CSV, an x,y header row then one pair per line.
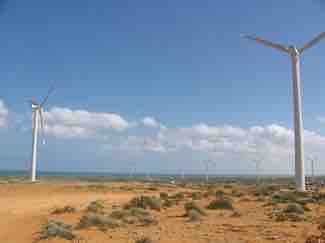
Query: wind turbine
x,y
312,161
206,164
37,114
257,163
294,53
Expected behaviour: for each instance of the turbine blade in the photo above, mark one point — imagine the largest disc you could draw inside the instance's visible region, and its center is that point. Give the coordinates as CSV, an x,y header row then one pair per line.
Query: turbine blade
x,y
267,43
47,96
312,42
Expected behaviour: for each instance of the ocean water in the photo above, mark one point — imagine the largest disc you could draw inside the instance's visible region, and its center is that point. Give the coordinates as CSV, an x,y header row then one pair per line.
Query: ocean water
x,y
110,174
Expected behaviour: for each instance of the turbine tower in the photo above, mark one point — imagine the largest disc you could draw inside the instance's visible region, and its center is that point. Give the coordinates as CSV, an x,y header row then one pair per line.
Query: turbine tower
x,y
312,165
37,114
257,163
295,54
206,165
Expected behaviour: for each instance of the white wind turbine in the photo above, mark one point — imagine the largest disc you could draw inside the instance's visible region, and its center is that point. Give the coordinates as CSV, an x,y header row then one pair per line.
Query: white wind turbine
x,y
37,114
206,165
258,164
312,160
294,53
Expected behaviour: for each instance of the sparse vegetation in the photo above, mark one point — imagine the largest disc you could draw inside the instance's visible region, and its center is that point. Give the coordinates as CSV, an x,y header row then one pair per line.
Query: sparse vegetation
x,y
220,194
193,206
144,240
196,195
294,208
133,215
147,220
66,209
168,203
221,203
164,195
145,202
98,220
293,212
178,196
95,207
56,229
194,215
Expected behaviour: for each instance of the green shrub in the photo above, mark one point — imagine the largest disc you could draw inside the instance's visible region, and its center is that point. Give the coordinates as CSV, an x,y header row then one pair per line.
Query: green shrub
x,y
286,197
222,203
168,203
56,229
95,207
97,220
164,195
194,215
196,195
294,208
192,206
66,209
145,202
220,194
178,196
144,240
133,215
147,220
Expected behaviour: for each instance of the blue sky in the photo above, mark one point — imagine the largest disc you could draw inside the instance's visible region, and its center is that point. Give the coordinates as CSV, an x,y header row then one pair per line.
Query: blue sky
x,y
181,63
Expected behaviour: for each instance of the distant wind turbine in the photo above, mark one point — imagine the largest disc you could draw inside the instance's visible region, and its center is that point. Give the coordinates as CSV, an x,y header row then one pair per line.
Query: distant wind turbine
x,y
298,124
37,114
257,163
312,165
206,165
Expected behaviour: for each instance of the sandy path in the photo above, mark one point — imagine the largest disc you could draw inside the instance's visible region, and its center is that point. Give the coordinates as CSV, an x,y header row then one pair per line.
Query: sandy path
x,y
23,208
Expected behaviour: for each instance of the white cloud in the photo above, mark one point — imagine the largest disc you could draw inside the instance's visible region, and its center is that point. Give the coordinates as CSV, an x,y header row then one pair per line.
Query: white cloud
x,y
152,122
64,122
3,114
272,142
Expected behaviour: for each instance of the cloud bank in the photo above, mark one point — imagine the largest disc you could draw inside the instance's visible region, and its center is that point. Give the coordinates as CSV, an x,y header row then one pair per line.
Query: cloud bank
x,y
3,114
67,123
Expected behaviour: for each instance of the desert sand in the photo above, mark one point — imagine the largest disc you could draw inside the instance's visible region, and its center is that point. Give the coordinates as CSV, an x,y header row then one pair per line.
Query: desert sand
x,y
25,207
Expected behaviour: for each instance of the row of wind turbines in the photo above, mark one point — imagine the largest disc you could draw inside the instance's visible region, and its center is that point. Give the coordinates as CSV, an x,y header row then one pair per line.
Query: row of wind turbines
x,y
292,51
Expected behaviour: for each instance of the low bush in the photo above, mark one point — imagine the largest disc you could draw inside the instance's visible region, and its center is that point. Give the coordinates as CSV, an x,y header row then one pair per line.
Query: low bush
x,y
147,220
95,207
178,196
66,209
220,194
192,206
145,202
196,195
164,195
294,208
222,203
144,240
97,220
194,215
56,229
168,203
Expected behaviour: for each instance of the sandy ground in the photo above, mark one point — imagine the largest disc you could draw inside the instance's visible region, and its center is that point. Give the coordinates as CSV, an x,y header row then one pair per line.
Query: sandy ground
x,y
25,207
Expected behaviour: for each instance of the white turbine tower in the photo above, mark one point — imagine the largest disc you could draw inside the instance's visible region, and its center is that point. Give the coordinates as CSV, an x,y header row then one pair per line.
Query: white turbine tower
x,y
257,163
298,125
312,160
37,114
206,165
